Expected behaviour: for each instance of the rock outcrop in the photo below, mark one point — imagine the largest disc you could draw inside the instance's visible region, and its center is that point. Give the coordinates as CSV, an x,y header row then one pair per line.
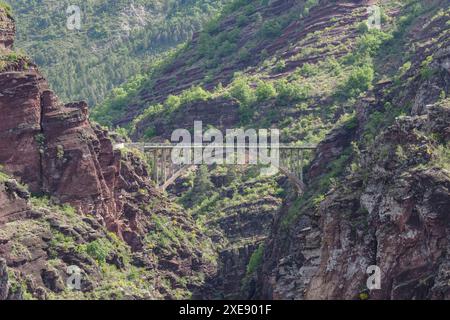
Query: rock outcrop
x,y
7,30
390,204
58,154
4,284
399,221
54,149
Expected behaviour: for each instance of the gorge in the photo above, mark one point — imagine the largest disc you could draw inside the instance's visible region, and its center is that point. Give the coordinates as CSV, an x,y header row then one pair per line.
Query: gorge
x,y
376,103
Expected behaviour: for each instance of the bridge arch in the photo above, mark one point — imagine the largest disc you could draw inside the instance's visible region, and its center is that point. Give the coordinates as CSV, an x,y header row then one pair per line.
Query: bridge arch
x,y
165,172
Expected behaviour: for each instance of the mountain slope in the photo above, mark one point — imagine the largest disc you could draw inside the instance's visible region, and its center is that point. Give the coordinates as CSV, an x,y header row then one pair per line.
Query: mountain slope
x,y
297,63
322,77
388,203
117,39
375,101
68,198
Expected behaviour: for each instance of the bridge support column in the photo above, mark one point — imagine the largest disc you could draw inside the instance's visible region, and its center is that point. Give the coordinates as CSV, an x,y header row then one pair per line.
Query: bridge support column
x,y
301,165
156,166
164,165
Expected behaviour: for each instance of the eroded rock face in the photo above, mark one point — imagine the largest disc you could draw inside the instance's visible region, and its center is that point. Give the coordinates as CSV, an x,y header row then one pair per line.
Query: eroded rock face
x,y
33,264
7,30
4,285
399,222
70,161
245,228
55,150
12,200
39,243
20,127
392,211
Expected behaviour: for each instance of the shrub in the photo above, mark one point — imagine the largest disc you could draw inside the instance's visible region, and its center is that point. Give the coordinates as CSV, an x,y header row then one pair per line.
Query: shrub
x,y
173,102
241,91
226,49
370,42
242,20
308,70
280,66
311,3
3,176
271,29
426,72
288,92
98,249
244,55
255,260
59,152
265,91
363,27
316,201
69,210
441,157
59,242
149,133
123,133
367,45
333,66
360,80
194,94
264,54
405,68
6,7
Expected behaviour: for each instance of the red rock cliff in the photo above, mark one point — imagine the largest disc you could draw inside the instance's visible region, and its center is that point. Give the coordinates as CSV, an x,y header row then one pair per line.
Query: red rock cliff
x,y
7,30
55,150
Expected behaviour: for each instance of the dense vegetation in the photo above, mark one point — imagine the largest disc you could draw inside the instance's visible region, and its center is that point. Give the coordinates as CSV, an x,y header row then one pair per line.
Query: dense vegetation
x,y
116,41
232,40
5,6
264,100
306,100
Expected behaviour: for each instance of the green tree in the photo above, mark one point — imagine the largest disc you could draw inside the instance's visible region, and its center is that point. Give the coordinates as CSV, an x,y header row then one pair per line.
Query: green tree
x,y
241,91
265,91
360,80
202,185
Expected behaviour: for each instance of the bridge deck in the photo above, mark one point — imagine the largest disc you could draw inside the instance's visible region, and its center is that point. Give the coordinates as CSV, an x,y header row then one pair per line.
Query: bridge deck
x,y
153,146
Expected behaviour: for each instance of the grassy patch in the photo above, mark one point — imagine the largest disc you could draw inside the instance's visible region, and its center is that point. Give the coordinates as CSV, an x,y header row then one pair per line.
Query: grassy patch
x,y
441,157
6,7
98,249
256,260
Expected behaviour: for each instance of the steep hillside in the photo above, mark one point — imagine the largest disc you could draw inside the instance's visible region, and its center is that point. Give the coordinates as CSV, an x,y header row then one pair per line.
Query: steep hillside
x,y
117,39
388,203
289,45
377,187
315,70
68,198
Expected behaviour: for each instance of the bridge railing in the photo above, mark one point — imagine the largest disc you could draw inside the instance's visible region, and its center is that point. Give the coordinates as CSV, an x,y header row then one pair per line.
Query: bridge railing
x,y
170,146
